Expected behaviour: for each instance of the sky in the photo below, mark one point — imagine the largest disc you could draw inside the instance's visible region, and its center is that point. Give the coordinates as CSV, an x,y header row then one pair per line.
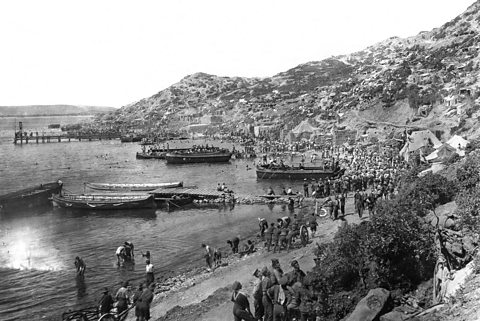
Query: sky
x,y
115,52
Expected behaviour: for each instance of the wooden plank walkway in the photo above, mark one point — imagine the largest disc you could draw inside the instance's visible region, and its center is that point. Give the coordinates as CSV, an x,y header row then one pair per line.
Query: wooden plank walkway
x,y
25,139
206,193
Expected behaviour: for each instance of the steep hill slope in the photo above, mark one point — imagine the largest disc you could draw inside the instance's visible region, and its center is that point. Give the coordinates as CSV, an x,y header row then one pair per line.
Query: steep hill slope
x,y
429,80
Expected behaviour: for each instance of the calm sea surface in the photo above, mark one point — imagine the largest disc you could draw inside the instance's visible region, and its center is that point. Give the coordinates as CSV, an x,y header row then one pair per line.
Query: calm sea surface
x,y
38,248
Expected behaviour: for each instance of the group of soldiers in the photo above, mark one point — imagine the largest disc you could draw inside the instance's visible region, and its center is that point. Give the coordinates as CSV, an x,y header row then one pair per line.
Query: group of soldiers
x,y
277,295
282,234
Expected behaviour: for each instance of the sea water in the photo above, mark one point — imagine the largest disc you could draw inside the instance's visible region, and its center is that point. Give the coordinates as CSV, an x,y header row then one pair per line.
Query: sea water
x,y
38,247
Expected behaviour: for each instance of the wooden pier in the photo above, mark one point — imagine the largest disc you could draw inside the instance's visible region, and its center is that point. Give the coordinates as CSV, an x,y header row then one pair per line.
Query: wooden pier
x,y
23,138
195,193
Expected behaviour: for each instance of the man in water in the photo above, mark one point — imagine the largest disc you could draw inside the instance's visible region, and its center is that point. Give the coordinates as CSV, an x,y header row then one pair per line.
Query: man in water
x,y
80,266
146,255
129,249
121,254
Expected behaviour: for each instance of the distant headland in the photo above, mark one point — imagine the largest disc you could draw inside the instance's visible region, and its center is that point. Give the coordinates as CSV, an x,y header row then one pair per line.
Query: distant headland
x,y
52,110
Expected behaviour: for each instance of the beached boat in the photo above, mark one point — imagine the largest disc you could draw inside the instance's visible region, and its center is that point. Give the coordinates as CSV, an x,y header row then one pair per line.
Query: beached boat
x,y
133,187
296,173
104,201
29,197
215,156
153,155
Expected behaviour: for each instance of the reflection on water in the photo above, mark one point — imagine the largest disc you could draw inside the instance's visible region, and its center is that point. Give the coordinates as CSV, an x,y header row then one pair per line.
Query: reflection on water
x,y
22,250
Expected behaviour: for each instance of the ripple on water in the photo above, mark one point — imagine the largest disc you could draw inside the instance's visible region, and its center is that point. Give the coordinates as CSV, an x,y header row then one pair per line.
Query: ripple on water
x,y
46,242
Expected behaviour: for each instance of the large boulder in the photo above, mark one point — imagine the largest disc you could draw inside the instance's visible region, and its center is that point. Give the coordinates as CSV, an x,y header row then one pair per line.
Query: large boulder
x,y
372,306
393,316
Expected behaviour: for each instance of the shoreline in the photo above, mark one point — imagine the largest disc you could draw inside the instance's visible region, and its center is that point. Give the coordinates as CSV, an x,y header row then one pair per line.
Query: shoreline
x,y
200,295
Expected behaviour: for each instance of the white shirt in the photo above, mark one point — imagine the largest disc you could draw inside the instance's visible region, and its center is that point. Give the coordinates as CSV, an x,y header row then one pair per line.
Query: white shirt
x,y
149,268
119,250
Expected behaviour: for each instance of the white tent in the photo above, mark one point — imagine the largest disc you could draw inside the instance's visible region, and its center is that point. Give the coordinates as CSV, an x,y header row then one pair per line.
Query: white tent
x,y
422,138
418,140
459,144
304,127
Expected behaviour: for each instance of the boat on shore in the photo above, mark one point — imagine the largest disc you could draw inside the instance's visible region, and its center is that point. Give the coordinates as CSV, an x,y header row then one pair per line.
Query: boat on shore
x,y
207,156
296,173
34,196
104,201
132,187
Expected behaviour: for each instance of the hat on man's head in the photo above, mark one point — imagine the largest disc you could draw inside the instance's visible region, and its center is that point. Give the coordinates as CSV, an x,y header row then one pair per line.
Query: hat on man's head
x,y
105,290
275,260
265,271
236,286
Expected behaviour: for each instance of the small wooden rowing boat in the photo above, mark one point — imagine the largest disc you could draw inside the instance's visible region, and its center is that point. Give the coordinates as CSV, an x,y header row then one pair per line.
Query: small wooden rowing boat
x,y
29,197
141,187
104,201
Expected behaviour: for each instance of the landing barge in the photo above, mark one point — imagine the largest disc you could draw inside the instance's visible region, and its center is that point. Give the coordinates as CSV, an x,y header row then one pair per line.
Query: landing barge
x,y
30,197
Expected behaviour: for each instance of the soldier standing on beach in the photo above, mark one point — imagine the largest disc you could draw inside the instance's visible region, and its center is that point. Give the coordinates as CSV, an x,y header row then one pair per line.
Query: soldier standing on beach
x,y
267,303
234,244
358,203
241,307
106,302
144,301
269,236
257,295
149,271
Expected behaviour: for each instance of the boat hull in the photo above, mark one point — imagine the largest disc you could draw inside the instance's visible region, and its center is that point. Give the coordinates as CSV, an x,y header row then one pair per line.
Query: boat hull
x,y
27,198
179,158
159,155
131,187
104,202
294,174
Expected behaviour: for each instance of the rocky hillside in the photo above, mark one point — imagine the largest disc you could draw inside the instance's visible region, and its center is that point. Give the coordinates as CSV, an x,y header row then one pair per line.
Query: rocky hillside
x,y
52,110
426,81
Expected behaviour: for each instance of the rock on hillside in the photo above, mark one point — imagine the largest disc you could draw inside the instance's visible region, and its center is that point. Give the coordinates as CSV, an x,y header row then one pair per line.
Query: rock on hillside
x,y
429,80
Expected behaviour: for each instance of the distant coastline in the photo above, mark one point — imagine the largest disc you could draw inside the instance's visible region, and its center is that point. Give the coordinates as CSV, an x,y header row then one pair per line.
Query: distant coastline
x,y
50,115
